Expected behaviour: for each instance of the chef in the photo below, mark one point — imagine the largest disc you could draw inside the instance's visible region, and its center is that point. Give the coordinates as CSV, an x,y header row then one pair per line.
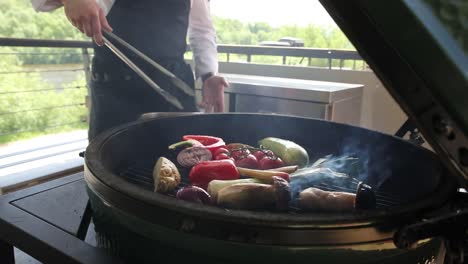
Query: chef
x,y
159,29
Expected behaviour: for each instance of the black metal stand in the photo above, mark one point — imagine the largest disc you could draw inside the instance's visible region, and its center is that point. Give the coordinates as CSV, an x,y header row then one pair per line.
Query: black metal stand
x,y
49,222
7,255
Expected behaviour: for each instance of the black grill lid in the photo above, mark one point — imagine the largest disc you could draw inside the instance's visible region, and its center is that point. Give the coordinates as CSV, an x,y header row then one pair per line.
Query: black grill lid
x,y
418,49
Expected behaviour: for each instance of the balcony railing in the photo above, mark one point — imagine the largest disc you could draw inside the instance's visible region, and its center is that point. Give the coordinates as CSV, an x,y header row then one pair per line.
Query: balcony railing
x,y
305,56
81,53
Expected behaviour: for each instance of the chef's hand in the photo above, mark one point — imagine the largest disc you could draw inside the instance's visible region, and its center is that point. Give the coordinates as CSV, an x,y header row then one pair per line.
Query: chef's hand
x,y
88,17
213,94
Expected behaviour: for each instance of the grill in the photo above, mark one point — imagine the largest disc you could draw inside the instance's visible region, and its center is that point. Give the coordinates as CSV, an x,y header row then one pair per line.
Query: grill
x,y
418,50
119,167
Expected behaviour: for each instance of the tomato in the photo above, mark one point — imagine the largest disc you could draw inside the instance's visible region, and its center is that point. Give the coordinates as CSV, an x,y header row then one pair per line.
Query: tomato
x,y
237,154
259,154
267,163
220,150
249,162
222,156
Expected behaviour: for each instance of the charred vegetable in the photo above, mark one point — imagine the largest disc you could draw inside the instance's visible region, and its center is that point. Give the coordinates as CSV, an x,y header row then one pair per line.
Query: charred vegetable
x,y
290,152
166,176
365,197
256,195
193,155
317,199
194,194
216,185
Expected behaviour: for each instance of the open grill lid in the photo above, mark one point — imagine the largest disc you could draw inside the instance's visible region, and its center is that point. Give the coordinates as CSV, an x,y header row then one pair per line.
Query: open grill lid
x,y
418,49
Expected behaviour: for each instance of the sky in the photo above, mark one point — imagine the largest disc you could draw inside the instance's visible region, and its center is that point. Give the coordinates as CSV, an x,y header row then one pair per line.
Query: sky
x,y
275,12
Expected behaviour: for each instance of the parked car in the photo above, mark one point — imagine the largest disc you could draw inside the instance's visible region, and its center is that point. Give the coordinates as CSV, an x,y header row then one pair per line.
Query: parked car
x,y
293,42
284,42
274,43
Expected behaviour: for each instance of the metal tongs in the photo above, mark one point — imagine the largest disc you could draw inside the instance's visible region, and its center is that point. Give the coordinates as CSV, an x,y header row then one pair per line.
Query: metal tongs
x,y
174,79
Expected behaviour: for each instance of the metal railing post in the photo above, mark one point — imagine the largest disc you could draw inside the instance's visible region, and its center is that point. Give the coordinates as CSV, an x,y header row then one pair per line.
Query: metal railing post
x,y
87,71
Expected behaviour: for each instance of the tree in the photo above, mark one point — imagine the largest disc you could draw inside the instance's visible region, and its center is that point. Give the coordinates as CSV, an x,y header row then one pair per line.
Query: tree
x,y
232,31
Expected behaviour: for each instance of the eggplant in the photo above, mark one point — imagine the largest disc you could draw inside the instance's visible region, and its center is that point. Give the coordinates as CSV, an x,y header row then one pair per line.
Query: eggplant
x,y
256,195
365,197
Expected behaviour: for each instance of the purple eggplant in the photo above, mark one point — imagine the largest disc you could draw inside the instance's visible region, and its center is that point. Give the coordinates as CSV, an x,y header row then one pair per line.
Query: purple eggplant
x,y
194,194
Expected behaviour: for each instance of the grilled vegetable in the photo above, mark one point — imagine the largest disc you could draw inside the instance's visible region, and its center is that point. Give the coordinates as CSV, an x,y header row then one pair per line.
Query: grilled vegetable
x,y
194,194
268,162
185,144
316,199
192,156
211,143
256,195
220,151
206,171
290,152
249,161
234,146
365,197
216,185
264,175
166,176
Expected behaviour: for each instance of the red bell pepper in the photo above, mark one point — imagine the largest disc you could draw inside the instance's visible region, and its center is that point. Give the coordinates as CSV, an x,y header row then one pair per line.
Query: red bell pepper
x,y
209,142
204,172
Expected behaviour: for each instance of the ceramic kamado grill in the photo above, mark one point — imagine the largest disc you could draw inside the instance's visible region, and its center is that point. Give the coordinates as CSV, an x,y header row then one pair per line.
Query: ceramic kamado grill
x,y
418,49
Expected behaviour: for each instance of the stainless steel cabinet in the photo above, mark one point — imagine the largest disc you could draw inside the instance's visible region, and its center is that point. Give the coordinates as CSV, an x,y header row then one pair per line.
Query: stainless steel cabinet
x,y
338,102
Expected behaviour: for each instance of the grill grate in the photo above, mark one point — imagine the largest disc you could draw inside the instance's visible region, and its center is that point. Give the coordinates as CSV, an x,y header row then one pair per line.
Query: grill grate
x,y
141,174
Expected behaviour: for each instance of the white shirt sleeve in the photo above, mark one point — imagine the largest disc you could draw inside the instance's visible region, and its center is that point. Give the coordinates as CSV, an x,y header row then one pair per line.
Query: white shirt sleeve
x,y
49,5
46,5
202,38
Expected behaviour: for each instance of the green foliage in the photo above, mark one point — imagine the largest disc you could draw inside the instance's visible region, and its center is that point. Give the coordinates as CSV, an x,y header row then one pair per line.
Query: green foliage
x,y
23,111
20,20
232,31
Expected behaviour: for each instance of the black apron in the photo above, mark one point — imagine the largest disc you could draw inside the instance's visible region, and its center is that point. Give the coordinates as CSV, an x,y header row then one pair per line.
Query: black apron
x,y
158,28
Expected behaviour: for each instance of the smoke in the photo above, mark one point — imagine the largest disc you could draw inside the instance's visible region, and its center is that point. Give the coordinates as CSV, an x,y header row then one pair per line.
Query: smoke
x,y
316,176
338,172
